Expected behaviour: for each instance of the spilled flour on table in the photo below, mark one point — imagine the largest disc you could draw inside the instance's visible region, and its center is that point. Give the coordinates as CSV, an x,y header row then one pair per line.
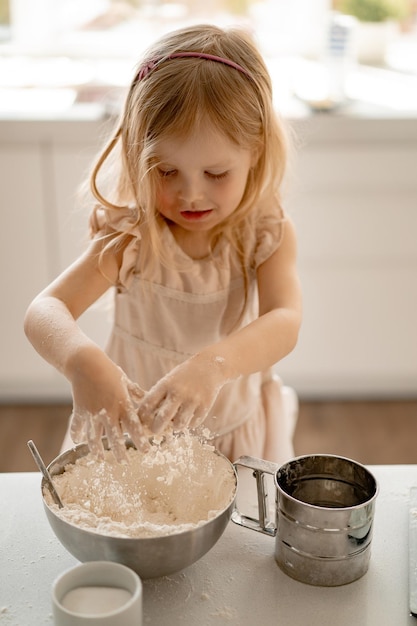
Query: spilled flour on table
x,y
177,485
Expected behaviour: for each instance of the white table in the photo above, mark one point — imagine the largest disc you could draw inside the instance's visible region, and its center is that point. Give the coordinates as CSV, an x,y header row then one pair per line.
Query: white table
x,y
236,583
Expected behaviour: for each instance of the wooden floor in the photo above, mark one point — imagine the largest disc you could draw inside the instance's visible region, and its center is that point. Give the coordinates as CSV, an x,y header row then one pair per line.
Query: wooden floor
x,y
383,432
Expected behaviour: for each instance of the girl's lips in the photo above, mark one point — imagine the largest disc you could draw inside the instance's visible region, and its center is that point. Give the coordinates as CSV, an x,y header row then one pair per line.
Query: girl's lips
x,y
195,215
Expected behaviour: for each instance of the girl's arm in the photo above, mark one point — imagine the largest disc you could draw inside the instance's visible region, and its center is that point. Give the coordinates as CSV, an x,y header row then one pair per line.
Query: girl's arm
x,y
187,393
274,334
101,392
50,321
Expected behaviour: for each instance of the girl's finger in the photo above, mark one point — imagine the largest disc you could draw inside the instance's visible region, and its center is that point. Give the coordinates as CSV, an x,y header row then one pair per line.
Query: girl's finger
x,y
149,407
94,427
136,393
184,416
116,439
136,431
165,413
198,418
77,427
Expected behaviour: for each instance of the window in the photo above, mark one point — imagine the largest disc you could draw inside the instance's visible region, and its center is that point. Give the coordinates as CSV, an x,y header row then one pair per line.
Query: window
x,y
90,47
119,28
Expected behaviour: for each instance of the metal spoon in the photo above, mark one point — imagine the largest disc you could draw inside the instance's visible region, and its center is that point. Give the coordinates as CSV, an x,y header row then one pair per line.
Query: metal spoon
x,y
41,465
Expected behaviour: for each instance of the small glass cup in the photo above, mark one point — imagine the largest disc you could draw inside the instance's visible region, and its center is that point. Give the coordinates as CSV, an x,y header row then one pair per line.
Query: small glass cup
x,y
97,592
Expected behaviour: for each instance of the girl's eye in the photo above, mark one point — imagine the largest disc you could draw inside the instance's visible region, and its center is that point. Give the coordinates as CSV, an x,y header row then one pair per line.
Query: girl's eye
x,y
217,176
166,173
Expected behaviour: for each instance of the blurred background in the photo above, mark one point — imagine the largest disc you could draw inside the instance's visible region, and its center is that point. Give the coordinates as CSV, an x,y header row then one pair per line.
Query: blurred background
x,y
345,80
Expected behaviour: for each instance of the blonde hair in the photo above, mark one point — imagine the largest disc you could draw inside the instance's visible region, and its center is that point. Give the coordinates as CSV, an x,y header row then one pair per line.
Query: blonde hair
x,y
171,100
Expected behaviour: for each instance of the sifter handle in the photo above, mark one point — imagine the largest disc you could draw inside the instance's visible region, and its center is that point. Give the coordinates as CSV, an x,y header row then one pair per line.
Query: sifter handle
x,y
260,468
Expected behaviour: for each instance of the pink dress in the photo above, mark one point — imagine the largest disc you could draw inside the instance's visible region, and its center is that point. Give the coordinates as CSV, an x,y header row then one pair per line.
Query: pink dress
x,y
163,316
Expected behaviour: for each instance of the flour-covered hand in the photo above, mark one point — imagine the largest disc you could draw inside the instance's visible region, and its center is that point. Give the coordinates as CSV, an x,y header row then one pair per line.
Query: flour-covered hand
x,y
106,403
184,397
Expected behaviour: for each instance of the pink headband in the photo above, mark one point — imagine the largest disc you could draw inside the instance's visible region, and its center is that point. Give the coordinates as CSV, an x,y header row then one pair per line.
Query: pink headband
x,y
151,65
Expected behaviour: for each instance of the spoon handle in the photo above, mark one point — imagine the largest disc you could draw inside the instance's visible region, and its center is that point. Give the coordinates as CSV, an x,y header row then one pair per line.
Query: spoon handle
x,y
41,465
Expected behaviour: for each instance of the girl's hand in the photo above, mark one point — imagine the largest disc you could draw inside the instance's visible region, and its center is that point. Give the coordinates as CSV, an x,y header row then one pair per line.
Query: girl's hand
x,y
184,397
105,402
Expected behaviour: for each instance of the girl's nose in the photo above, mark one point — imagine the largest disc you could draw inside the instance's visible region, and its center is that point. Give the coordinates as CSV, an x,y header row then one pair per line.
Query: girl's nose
x,y
190,190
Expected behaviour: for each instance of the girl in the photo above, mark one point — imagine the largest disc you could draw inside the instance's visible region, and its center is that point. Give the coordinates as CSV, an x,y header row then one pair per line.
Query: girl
x,y
189,229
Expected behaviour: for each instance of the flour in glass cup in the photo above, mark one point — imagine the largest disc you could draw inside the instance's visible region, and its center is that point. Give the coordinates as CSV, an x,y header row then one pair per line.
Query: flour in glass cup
x,y
93,601
179,484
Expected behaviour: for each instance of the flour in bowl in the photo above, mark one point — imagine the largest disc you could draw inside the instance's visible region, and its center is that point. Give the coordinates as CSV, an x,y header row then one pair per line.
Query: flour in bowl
x,y
177,485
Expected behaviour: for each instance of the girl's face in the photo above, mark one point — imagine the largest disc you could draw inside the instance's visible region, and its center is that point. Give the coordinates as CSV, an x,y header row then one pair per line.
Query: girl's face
x,y
203,179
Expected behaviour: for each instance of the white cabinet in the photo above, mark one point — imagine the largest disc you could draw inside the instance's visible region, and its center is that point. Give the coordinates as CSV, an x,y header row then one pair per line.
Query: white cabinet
x,y
25,266
355,208
353,198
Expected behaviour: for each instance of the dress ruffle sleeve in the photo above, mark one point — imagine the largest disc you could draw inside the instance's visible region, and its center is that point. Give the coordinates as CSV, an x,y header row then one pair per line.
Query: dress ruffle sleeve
x,y
123,223
268,239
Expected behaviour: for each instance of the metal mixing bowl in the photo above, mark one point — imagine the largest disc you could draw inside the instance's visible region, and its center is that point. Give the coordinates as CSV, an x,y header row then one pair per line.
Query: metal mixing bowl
x,y
150,557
